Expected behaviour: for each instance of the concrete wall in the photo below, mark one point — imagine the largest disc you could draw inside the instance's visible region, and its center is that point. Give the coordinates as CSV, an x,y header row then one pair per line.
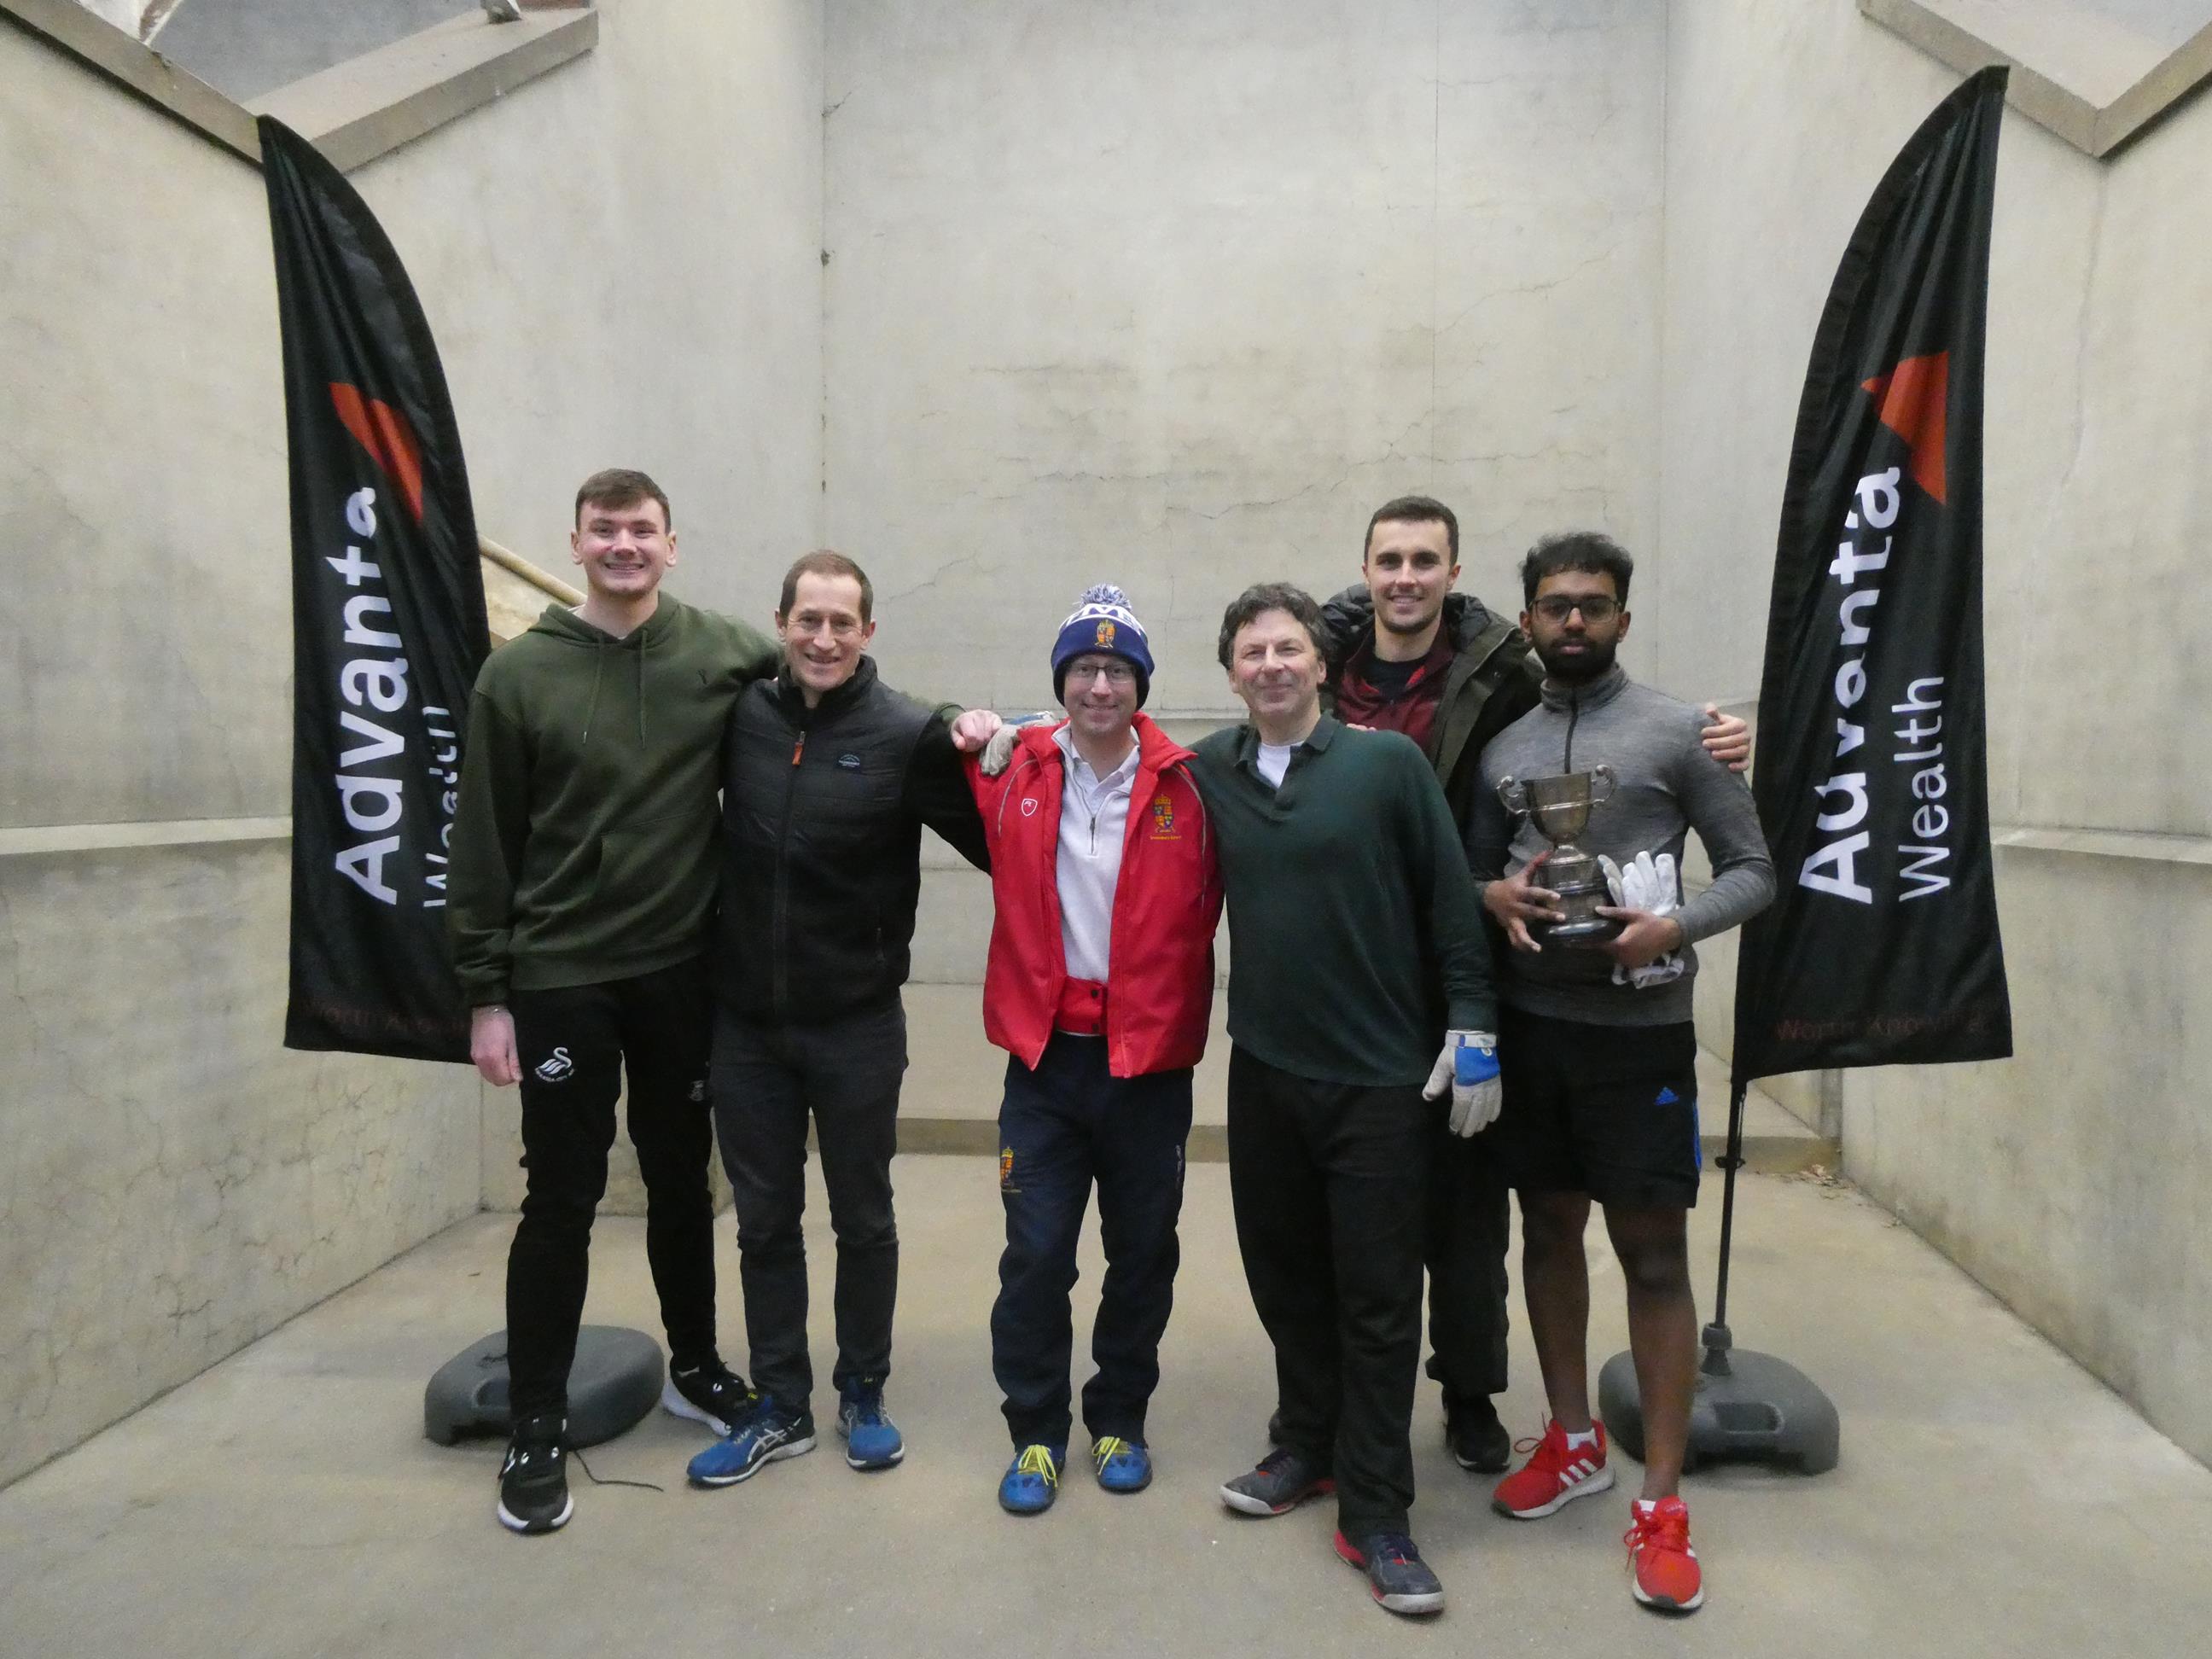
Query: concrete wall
x,y
1176,295
171,1182
2070,1179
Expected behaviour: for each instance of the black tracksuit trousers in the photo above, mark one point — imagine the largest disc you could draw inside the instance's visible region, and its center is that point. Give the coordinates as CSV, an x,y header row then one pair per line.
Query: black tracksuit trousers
x,y
1470,1227
1063,1128
768,1080
1330,1182
574,1045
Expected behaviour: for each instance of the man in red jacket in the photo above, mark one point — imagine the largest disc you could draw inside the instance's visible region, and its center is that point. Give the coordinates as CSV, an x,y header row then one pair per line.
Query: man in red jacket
x,y
1099,987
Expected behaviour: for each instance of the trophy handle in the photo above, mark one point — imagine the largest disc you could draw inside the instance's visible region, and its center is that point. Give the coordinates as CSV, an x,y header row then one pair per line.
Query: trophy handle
x,y
1601,782
1514,794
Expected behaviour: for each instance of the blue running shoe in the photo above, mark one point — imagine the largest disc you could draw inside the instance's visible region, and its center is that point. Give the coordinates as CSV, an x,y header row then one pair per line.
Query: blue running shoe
x,y
872,1439
1123,1465
771,1432
1032,1481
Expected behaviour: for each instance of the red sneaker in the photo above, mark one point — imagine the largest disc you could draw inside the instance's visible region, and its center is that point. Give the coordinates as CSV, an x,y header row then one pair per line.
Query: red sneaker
x,y
1556,1475
1658,1540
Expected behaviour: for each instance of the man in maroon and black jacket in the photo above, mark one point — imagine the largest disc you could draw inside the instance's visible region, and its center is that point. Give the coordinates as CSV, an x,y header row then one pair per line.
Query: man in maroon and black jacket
x,y
1406,653
1099,987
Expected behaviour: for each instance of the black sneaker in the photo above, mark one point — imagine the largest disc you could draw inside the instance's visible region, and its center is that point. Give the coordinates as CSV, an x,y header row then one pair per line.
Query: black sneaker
x,y
1282,1482
1399,1579
1275,1427
1478,1440
711,1394
533,1482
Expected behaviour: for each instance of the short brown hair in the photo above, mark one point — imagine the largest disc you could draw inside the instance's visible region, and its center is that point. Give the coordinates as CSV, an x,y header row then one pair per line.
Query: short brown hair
x,y
1413,509
822,561
1265,596
619,486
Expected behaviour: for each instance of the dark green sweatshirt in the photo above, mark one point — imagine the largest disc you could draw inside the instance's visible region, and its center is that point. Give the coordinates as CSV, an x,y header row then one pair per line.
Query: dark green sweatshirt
x,y
1355,932
583,846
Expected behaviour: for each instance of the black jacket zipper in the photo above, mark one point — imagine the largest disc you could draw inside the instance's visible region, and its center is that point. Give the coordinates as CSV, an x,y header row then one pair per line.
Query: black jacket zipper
x,y
779,920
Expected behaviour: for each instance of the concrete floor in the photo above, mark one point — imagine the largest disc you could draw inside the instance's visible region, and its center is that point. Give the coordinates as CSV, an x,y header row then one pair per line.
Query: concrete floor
x,y
1992,1498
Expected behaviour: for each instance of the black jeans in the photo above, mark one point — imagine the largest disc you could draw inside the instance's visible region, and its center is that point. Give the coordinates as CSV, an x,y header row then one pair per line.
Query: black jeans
x,y
767,1080
1469,1231
1330,1182
1062,1127
574,1045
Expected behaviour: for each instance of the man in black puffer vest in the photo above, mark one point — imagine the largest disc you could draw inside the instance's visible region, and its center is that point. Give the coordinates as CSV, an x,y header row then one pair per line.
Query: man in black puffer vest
x,y
828,778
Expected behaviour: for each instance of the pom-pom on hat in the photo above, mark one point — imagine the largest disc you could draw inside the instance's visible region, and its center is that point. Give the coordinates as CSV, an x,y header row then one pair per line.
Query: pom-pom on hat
x,y
1102,623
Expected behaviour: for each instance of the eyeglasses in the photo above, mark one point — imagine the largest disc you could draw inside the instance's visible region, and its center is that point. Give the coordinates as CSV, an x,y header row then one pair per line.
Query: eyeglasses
x,y
1597,608
1113,673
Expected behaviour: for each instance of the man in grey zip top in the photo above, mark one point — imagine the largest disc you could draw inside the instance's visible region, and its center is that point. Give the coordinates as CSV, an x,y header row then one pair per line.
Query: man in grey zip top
x,y
1598,1054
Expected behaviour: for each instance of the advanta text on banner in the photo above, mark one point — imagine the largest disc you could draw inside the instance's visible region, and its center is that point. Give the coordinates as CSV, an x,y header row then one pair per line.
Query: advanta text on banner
x,y
388,625
1882,945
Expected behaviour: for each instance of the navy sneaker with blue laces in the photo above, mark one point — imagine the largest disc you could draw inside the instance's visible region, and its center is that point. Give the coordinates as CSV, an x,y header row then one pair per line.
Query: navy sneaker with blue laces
x,y
1123,1465
1032,1480
1399,1579
872,1439
772,1432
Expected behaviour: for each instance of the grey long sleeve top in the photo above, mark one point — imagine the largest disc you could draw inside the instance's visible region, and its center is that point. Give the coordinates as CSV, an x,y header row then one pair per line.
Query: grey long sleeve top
x,y
1666,785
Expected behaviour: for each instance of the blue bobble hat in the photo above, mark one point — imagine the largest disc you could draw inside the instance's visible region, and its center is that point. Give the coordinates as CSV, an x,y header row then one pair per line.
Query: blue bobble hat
x,y
1102,623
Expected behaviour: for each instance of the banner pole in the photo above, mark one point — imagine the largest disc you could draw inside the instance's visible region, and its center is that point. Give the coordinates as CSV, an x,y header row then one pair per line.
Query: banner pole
x,y
1716,1337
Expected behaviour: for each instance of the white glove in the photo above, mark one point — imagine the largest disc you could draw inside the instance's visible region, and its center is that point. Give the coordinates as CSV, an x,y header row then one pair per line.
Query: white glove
x,y
999,752
1646,884
1468,1067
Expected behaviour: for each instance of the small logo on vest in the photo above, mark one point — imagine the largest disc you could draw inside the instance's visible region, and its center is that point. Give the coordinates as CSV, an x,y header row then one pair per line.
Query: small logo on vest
x,y
556,1067
1667,1098
1028,806
699,1092
1164,828
1006,1170
850,762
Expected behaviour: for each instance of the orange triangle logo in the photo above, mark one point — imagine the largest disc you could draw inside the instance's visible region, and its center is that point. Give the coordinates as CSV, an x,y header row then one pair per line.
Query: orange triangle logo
x,y
1914,398
383,431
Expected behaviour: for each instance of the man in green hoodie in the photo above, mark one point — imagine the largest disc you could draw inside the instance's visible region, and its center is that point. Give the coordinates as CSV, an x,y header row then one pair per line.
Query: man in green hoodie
x,y
581,890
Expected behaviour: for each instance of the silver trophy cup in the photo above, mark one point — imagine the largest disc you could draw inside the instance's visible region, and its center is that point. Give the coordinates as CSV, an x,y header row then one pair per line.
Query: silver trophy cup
x,y
1559,808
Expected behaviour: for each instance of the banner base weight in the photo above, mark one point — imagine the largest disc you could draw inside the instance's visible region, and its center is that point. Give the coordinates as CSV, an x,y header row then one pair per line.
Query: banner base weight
x,y
615,1380
1759,1408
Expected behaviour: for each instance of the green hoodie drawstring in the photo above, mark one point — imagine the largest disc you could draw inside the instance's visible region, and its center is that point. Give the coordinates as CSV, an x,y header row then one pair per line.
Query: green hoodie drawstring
x,y
593,706
599,648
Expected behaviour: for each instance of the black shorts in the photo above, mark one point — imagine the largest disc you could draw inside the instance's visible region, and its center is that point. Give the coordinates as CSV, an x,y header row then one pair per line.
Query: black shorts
x,y
1610,1110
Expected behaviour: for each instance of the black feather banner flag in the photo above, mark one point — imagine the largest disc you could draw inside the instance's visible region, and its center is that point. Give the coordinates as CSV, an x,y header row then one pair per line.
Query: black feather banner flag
x,y
388,625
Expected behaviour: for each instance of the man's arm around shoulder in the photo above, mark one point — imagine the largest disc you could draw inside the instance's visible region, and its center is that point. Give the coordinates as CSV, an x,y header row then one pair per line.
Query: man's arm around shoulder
x,y
939,789
1718,805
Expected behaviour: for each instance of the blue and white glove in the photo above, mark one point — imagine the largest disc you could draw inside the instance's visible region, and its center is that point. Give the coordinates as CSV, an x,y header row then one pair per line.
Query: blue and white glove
x,y
1646,884
1468,1067
1001,749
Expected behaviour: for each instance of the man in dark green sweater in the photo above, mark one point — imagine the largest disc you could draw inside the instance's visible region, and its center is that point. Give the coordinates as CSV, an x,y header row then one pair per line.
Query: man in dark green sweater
x,y
1356,952
582,882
